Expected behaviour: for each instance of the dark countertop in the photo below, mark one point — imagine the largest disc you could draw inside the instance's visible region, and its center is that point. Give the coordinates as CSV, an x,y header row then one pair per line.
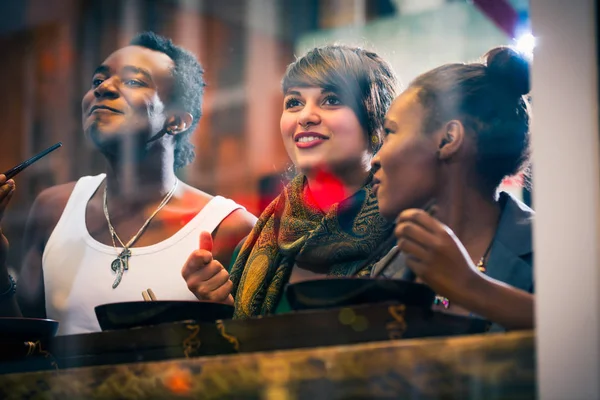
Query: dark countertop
x,y
483,366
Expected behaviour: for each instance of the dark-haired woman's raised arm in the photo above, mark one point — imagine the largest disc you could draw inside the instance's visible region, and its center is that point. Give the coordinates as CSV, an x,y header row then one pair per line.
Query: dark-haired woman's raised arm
x,y
440,260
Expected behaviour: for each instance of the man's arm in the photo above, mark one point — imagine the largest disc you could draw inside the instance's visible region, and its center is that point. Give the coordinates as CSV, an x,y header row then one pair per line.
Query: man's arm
x,y
229,234
8,304
43,216
30,293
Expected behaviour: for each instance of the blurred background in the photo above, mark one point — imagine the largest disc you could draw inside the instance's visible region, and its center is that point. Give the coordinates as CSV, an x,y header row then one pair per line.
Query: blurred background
x,y
51,48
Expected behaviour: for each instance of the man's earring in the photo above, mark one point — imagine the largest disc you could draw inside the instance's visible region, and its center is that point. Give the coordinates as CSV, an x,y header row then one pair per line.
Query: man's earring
x,y
445,140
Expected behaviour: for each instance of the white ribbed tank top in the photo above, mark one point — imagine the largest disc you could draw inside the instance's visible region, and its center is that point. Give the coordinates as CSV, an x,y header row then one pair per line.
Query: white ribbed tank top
x,y
77,273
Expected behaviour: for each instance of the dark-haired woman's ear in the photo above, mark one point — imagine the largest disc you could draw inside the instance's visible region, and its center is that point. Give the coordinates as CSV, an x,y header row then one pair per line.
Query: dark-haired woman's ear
x,y
178,122
450,140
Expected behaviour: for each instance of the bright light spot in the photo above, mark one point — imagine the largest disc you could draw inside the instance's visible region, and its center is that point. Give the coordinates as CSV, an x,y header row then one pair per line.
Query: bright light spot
x,y
525,43
347,316
360,324
179,381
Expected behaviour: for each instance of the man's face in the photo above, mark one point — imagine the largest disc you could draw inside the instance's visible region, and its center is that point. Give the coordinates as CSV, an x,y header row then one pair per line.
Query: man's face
x,y
127,96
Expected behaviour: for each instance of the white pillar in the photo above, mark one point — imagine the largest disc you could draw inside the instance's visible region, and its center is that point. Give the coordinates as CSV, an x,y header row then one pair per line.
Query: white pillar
x,y
566,196
262,86
129,26
187,33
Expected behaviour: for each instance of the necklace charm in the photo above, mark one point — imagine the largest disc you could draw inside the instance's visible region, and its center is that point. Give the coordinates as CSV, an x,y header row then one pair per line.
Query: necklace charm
x,y
124,257
116,265
119,272
120,265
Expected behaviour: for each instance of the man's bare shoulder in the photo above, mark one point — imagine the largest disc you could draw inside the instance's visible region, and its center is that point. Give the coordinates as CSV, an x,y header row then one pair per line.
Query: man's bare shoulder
x,y
50,204
194,198
56,196
232,230
239,222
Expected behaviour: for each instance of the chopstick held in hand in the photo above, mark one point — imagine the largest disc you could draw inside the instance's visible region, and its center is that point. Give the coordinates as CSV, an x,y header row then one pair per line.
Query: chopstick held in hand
x,y
18,168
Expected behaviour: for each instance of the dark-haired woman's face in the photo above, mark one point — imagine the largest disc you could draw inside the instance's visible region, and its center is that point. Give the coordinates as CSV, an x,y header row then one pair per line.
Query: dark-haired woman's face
x,y
407,161
320,132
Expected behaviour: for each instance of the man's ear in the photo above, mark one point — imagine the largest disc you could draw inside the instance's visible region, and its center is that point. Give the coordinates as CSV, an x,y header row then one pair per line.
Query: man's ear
x,y
178,122
451,140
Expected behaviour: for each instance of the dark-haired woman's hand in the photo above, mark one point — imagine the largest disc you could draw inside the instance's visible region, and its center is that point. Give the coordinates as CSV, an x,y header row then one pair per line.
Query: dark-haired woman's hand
x,y
435,255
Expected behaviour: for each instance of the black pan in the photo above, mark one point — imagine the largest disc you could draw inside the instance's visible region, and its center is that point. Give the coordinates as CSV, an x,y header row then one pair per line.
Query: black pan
x,y
143,313
348,291
27,329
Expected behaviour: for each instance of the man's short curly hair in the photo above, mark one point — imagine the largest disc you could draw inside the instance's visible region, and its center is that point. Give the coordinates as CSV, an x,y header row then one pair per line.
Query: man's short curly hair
x,y
188,88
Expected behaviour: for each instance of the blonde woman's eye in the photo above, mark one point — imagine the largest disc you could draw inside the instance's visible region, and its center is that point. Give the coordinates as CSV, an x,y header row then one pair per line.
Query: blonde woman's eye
x,y
291,103
332,101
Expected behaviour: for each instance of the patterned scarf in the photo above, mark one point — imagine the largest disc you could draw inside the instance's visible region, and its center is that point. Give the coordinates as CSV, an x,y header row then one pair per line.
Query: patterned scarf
x,y
291,230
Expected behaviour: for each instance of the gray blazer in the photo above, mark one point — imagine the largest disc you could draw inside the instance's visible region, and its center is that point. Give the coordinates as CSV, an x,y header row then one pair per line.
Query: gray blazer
x,y
511,255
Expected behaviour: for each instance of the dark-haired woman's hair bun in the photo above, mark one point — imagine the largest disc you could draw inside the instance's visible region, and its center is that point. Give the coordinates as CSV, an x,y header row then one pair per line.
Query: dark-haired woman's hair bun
x,y
509,69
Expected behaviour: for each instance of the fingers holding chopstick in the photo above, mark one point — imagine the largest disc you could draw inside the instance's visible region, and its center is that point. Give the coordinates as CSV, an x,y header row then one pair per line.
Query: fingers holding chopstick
x,y
7,188
4,181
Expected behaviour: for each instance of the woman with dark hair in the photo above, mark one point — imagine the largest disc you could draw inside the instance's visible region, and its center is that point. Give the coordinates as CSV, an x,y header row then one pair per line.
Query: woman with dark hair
x,y
453,136
325,222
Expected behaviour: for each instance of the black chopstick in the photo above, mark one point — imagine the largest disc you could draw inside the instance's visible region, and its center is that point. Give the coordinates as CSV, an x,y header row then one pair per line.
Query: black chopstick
x,y
15,170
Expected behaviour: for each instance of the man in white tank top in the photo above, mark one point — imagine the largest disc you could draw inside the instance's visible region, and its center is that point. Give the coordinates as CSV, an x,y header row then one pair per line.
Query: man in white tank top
x,y
107,238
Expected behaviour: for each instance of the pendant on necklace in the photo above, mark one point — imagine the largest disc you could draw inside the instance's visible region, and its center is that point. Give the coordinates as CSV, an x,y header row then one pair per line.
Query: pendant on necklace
x,y
119,265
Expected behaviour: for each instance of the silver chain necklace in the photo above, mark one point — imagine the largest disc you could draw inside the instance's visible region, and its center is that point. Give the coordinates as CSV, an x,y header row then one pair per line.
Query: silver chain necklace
x,y
121,263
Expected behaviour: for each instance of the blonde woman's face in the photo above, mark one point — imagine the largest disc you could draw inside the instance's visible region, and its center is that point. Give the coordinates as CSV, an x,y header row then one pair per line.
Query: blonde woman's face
x,y
320,132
